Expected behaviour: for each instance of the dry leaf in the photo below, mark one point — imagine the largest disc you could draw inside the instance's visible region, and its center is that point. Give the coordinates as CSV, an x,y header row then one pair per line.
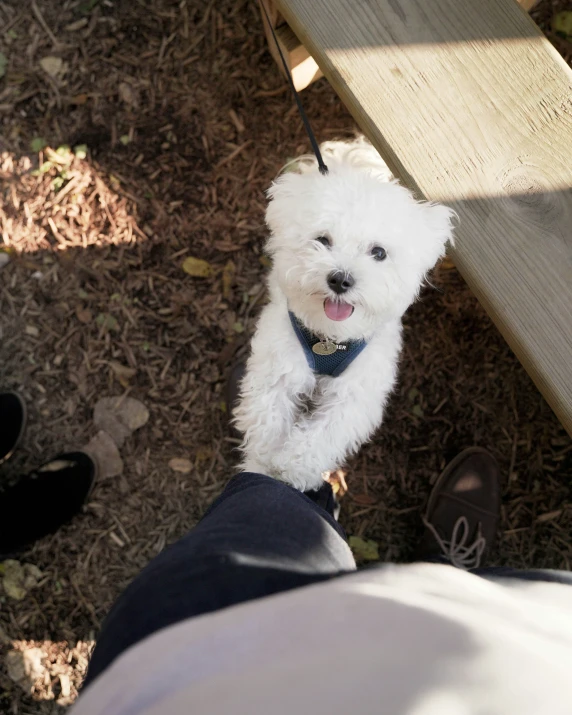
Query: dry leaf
x,y
84,315
18,579
337,480
364,549
33,575
122,372
197,268
562,23
32,331
24,667
180,464
13,579
227,279
128,95
104,452
107,322
120,417
54,66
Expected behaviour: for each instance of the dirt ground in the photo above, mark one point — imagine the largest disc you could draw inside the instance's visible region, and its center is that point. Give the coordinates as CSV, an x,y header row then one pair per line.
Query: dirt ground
x,y
185,121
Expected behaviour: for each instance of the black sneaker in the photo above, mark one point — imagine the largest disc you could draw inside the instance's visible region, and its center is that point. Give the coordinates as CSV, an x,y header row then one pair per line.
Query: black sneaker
x,y
45,499
463,512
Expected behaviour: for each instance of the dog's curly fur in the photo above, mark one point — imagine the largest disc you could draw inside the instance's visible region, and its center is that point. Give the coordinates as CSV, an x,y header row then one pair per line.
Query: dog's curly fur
x,y
357,205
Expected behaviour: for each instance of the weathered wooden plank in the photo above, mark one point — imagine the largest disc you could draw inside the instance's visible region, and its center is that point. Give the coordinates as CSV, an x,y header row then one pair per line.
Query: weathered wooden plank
x,y
302,65
471,105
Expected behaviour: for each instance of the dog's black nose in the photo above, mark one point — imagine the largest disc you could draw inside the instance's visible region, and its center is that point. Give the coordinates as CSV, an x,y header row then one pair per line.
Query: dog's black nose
x,y
340,282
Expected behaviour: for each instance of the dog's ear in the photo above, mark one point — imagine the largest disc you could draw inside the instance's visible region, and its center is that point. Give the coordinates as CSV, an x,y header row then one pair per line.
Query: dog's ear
x,y
436,233
284,195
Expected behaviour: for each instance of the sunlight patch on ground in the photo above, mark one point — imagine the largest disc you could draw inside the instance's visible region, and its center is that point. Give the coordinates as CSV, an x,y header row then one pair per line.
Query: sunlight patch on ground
x,y
48,670
58,200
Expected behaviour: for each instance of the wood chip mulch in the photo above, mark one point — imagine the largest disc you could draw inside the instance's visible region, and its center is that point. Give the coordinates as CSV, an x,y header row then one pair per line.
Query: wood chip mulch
x,y
158,124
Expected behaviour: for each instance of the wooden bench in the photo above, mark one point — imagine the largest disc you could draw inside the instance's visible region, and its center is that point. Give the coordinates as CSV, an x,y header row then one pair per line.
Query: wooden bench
x,y
470,105
302,65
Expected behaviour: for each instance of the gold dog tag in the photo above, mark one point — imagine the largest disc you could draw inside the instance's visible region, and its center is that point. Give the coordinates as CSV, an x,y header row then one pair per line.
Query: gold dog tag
x,y
326,347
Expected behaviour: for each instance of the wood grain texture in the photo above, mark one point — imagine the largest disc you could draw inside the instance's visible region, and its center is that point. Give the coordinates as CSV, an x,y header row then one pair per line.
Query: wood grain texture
x,y
470,105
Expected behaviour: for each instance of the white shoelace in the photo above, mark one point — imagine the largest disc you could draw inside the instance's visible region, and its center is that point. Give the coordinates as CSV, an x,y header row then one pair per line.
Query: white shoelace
x,y
457,551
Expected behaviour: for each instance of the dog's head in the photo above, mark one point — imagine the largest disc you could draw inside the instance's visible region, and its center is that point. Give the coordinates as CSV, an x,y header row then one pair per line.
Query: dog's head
x,y
350,249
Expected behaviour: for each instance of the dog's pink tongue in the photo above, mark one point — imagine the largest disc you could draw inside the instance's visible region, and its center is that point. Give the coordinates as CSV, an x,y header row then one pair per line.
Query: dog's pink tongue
x,y
336,310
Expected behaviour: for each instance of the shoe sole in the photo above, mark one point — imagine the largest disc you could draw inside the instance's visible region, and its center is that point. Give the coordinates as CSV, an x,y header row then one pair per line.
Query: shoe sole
x,y
22,427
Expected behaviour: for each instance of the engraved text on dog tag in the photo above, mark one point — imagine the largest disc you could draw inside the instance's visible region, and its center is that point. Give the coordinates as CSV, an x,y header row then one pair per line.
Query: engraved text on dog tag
x,y
326,347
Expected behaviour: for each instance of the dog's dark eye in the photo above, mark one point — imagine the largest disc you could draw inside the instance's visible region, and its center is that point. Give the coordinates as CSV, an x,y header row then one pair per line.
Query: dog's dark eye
x,y
379,253
324,240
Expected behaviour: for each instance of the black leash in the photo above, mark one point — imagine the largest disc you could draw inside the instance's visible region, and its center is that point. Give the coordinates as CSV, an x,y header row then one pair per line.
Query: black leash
x,y
322,167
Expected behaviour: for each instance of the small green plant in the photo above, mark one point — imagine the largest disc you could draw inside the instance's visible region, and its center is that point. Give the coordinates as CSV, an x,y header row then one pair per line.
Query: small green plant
x,y
37,144
61,160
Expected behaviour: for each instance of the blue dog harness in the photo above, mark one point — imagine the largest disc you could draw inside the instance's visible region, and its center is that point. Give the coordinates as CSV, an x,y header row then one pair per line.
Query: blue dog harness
x,y
331,365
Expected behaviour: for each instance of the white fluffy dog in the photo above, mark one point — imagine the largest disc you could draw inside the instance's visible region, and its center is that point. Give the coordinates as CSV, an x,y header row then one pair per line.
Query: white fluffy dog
x,y
350,250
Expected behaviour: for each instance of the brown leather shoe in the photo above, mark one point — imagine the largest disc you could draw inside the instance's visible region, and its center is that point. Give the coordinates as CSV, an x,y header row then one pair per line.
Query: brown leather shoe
x,y
232,394
463,511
